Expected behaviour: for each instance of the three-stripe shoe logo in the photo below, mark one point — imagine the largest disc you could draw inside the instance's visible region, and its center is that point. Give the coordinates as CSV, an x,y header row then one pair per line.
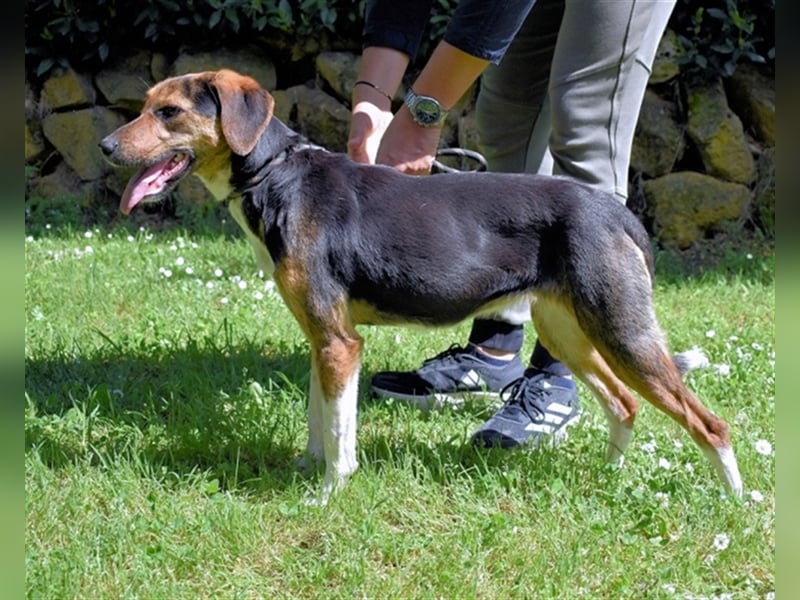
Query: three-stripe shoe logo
x,y
554,415
472,379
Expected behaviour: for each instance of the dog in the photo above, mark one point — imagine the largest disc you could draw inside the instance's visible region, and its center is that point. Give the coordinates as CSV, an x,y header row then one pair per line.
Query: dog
x,y
350,244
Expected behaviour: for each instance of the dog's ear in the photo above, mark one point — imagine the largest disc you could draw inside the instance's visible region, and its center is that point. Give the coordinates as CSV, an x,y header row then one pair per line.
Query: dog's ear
x,y
245,109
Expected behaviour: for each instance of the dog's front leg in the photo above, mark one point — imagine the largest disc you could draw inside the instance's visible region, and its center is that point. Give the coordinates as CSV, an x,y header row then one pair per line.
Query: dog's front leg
x,y
336,367
315,452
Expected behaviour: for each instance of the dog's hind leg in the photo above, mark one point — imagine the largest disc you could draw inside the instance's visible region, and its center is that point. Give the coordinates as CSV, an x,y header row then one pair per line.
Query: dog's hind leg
x,y
654,375
640,362
627,336
560,333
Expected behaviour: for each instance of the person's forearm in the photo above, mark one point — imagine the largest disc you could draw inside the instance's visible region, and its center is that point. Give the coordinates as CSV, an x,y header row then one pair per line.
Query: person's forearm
x,y
383,68
448,74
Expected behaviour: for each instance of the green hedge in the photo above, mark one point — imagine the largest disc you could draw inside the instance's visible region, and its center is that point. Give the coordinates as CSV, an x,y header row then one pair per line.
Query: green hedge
x,y
716,35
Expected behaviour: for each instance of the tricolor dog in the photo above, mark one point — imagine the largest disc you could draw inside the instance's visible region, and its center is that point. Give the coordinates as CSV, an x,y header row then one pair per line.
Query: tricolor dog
x,y
351,244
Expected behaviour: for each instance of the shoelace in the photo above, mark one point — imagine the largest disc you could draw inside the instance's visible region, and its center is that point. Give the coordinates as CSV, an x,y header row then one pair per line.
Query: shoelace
x,y
527,394
451,353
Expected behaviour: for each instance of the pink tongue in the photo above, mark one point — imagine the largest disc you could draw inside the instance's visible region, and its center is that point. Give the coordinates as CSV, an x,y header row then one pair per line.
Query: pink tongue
x,y
149,181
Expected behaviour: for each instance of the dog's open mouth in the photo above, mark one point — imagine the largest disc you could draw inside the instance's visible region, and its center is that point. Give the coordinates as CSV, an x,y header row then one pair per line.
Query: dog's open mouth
x,y
154,181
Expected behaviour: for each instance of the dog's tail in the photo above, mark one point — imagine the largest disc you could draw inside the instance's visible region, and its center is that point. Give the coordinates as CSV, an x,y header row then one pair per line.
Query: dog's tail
x,y
690,360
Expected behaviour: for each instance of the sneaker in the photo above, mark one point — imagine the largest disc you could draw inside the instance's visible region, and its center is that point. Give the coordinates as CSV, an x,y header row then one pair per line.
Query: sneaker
x,y
447,377
537,406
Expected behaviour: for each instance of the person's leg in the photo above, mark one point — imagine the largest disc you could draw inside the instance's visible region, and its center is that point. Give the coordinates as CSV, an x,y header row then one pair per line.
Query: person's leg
x,y
491,359
600,68
513,127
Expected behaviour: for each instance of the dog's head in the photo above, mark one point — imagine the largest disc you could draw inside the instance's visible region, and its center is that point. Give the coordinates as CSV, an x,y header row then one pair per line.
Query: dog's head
x,y
189,124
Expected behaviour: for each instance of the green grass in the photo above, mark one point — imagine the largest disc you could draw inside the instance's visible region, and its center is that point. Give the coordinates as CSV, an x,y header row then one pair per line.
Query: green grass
x,y
164,411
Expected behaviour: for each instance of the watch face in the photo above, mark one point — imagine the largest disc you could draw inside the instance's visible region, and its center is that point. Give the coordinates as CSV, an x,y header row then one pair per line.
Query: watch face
x,y
427,111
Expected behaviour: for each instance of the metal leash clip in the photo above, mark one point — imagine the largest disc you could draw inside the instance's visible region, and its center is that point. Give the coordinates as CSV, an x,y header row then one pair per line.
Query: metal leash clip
x,y
465,156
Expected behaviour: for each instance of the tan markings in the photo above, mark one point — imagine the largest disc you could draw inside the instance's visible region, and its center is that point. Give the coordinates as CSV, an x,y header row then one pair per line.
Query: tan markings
x,y
560,333
655,376
334,341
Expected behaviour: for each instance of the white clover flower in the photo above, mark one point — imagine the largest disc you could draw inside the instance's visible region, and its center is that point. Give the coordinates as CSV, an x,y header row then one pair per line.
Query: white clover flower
x,y
763,447
721,542
88,250
180,261
756,496
218,272
210,285
242,284
649,446
258,296
88,234
711,333
165,272
664,463
689,467
224,300
663,499
677,443
189,270
723,369
29,238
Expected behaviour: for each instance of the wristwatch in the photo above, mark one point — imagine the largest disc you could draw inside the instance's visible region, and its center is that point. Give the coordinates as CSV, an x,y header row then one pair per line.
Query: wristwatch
x,y
425,110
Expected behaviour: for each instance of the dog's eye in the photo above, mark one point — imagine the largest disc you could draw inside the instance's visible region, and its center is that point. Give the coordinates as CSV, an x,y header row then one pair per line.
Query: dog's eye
x,y
165,113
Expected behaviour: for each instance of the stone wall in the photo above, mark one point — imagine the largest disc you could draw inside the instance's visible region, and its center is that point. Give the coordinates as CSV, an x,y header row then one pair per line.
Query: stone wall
x,y
702,156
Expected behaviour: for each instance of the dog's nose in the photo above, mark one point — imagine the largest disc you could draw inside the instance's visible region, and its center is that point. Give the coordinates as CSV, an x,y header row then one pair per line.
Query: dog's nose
x,y
108,145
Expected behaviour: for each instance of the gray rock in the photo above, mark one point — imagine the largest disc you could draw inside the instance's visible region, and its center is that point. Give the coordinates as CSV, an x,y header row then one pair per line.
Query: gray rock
x,y
659,139
75,135
751,94
686,205
718,134
68,89
251,62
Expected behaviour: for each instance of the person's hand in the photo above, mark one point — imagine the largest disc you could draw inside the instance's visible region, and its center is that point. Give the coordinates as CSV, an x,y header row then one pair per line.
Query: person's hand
x,y
367,126
407,146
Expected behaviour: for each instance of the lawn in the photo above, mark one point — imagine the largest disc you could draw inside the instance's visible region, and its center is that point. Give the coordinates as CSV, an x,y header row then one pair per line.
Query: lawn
x,y
165,406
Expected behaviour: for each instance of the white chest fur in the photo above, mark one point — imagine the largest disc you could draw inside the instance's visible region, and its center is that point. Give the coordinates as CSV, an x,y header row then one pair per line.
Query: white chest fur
x,y
263,259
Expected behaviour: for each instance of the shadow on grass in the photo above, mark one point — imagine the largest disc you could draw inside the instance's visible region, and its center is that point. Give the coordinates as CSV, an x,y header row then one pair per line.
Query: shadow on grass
x,y
233,411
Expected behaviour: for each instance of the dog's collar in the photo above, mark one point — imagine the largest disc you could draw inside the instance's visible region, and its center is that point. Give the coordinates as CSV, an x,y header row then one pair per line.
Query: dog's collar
x,y
256,178
288,151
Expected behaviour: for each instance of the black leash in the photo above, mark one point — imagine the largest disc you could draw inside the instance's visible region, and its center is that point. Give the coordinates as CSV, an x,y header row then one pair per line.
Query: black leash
x,y
465,156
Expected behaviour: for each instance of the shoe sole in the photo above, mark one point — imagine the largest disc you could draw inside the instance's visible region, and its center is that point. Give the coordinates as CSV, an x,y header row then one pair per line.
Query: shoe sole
x,y
438,400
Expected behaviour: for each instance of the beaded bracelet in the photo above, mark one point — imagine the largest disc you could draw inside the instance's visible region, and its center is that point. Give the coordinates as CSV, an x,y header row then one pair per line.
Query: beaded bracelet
x,y
373,86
